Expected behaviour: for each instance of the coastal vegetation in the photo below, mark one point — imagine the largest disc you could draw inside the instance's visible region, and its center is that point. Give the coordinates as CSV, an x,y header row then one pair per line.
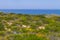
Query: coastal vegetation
x,y
29,27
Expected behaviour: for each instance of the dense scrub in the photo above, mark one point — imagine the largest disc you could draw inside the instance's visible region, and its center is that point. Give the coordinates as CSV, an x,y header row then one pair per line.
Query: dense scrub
x,y
29,27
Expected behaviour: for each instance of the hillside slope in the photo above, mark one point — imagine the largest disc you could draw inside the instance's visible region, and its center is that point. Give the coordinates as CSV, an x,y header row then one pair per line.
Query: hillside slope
x,y
29,27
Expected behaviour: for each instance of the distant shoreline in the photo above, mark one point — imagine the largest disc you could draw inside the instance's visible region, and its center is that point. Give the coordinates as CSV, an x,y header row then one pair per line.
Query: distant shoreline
x,y
30,11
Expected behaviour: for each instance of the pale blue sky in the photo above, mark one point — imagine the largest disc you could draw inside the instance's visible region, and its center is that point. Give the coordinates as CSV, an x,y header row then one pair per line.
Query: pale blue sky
x,y
29,4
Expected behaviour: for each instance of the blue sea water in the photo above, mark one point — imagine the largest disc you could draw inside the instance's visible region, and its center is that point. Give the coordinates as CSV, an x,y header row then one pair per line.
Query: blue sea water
x,y
31,11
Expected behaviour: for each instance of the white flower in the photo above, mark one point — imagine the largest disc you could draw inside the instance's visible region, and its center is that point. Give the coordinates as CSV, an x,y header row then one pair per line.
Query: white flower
x,y
24,26
9,23
41,27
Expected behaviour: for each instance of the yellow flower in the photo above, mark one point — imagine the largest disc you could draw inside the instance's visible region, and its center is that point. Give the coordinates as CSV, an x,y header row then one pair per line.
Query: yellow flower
x,y
29,29
40,35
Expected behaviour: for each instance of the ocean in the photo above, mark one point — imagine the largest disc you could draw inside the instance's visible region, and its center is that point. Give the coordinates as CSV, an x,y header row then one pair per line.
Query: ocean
x,y
31,11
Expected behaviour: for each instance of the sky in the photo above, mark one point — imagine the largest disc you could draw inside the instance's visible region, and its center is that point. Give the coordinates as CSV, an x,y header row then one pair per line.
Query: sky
x,y
29,4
